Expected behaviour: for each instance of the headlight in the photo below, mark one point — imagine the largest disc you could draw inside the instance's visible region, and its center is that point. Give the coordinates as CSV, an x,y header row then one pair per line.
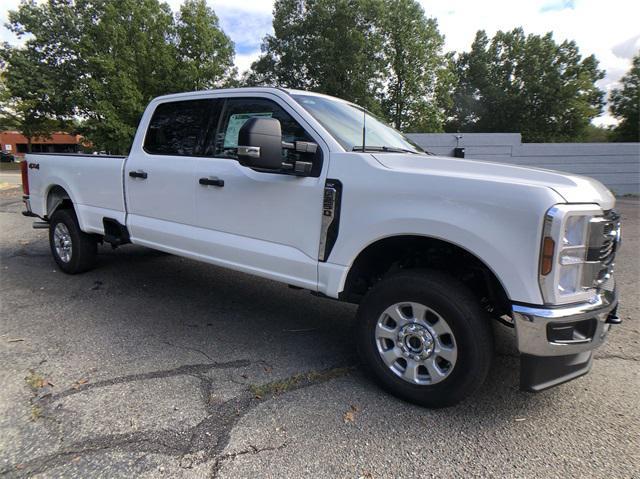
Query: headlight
x,y
565,266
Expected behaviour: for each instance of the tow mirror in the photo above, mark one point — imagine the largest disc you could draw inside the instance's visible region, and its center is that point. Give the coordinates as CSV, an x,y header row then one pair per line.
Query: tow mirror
x,y
260,143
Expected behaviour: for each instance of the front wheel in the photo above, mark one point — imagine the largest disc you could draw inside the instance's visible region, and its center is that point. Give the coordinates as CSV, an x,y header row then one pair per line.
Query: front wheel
x,y
73,250
424,337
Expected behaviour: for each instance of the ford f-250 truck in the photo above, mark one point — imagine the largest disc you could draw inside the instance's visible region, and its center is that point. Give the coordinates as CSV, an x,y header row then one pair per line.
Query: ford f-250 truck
x,y
317,193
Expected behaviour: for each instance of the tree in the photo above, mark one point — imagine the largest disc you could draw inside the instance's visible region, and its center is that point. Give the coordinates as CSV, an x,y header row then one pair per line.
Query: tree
x,y
46,68
282,60
25,109
625,104
205,52
23,116
329,46
528,84
596,134
413,53
37,82
385,55
104,60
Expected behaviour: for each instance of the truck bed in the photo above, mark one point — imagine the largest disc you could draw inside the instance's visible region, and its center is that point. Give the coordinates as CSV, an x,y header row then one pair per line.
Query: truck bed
x,y
94,183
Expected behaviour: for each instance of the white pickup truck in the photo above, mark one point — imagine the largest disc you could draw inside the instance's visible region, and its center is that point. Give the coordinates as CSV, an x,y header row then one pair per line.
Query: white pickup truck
x,y
317,193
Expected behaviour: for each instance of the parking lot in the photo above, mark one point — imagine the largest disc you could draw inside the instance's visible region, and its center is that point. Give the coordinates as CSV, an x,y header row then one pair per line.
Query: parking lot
x,y
157,366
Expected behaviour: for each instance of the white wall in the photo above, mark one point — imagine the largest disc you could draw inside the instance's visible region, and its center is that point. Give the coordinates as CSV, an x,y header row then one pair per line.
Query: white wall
x,y
617,165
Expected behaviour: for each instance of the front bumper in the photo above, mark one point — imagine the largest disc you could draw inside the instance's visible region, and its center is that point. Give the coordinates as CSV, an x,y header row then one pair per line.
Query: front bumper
x,y
556,344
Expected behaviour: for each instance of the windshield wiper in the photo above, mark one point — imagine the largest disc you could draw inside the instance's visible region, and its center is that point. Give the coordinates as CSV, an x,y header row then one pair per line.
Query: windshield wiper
x,y
387,149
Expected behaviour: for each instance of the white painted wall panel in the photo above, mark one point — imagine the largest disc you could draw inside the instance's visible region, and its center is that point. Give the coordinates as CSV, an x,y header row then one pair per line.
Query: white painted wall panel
x,y
617,165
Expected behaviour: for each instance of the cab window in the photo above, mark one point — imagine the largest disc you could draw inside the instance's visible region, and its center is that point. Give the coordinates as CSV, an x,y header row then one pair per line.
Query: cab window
x,y
180,128
238,110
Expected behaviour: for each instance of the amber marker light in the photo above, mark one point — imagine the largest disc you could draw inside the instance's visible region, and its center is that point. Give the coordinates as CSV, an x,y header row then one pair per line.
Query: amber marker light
x,y
546,263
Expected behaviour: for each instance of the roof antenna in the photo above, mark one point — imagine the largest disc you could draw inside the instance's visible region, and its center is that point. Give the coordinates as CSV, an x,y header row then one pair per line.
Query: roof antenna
x,y
364,128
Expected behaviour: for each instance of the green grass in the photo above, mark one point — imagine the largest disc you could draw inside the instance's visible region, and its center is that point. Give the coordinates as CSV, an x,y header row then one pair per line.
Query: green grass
x,y
36,412
35,380
9,166
282,386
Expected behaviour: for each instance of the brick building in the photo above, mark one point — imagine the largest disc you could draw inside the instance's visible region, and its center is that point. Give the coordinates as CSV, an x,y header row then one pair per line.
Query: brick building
x,y
15,144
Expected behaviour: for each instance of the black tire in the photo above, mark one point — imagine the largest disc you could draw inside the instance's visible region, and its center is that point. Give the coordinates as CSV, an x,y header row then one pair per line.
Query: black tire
x,y
84,247
466,319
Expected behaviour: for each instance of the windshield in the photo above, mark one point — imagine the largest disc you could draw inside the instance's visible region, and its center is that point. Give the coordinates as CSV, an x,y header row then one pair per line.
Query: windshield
x,y
345,120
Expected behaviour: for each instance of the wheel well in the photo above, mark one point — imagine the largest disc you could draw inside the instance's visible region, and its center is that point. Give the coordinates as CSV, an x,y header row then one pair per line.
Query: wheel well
x,y
57,198
389,255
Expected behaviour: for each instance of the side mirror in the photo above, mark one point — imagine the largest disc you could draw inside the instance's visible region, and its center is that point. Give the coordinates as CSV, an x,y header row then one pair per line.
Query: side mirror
x,y
260,143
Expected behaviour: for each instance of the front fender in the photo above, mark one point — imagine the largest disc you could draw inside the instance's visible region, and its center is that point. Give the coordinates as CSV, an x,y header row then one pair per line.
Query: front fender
x,y
497,221
516,271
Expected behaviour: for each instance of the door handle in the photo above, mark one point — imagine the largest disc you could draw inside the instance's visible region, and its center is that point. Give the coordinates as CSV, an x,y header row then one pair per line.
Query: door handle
x,y
138,174
211,181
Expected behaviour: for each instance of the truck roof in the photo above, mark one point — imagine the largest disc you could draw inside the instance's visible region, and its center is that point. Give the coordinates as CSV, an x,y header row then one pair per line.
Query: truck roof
x,y
252,89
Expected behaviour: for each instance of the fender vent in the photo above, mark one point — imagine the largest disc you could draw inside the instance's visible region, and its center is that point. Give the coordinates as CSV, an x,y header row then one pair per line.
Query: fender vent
x,y
330,218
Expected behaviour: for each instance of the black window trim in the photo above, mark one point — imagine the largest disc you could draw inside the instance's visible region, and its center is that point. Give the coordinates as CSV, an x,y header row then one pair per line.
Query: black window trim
x,y
224,99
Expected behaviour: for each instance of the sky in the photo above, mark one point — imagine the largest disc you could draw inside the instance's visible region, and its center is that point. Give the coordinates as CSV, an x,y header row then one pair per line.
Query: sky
x,y
610,29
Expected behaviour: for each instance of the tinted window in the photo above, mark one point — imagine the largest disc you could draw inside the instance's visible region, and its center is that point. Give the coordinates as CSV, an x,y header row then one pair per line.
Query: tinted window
x,y
239,110
180,128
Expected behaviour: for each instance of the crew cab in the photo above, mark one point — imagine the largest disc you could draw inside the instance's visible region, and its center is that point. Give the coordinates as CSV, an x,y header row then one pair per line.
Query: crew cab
x,y
317,193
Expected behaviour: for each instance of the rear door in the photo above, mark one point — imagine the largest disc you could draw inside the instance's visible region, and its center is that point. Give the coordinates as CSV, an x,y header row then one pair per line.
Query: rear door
x,y
260,222
158,176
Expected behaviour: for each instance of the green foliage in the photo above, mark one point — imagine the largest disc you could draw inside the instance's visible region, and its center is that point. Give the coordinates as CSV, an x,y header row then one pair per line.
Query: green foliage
x,y
97,63
413,55
596,134
25,115
385,55
205,51
34,97
329,46
528,84
43,71
104,60
127,62
625,104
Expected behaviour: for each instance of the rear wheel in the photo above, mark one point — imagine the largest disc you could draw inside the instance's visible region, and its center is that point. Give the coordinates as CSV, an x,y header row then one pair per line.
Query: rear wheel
x,y
73,250
424,337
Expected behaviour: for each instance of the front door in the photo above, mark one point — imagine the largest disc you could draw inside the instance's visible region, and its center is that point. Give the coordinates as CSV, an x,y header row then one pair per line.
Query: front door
x,y
263,223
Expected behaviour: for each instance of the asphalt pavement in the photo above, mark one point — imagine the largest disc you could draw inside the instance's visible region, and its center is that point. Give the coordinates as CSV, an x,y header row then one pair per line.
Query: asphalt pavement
x,y
157,366
9,179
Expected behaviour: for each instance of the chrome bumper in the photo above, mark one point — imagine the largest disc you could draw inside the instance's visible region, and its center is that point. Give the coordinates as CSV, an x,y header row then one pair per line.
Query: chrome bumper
x,y
556,344
532,326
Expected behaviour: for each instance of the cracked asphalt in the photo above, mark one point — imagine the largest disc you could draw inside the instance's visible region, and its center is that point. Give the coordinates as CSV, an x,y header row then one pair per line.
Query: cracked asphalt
x,y
157,366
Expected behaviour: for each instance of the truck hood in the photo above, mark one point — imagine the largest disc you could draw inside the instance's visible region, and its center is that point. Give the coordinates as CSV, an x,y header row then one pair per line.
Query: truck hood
x,y
573,188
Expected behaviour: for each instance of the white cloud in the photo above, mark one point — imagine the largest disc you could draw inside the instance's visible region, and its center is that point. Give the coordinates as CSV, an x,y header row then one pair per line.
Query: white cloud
x,y
249,6
628,48
246,30
244,61
5,34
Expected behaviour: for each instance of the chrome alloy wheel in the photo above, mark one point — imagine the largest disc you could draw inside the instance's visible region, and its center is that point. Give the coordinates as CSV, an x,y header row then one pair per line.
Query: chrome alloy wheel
x,y
62,242
416,343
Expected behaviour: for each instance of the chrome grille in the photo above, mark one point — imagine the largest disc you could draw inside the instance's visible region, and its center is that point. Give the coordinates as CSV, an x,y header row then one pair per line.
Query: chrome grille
x,y
604,238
